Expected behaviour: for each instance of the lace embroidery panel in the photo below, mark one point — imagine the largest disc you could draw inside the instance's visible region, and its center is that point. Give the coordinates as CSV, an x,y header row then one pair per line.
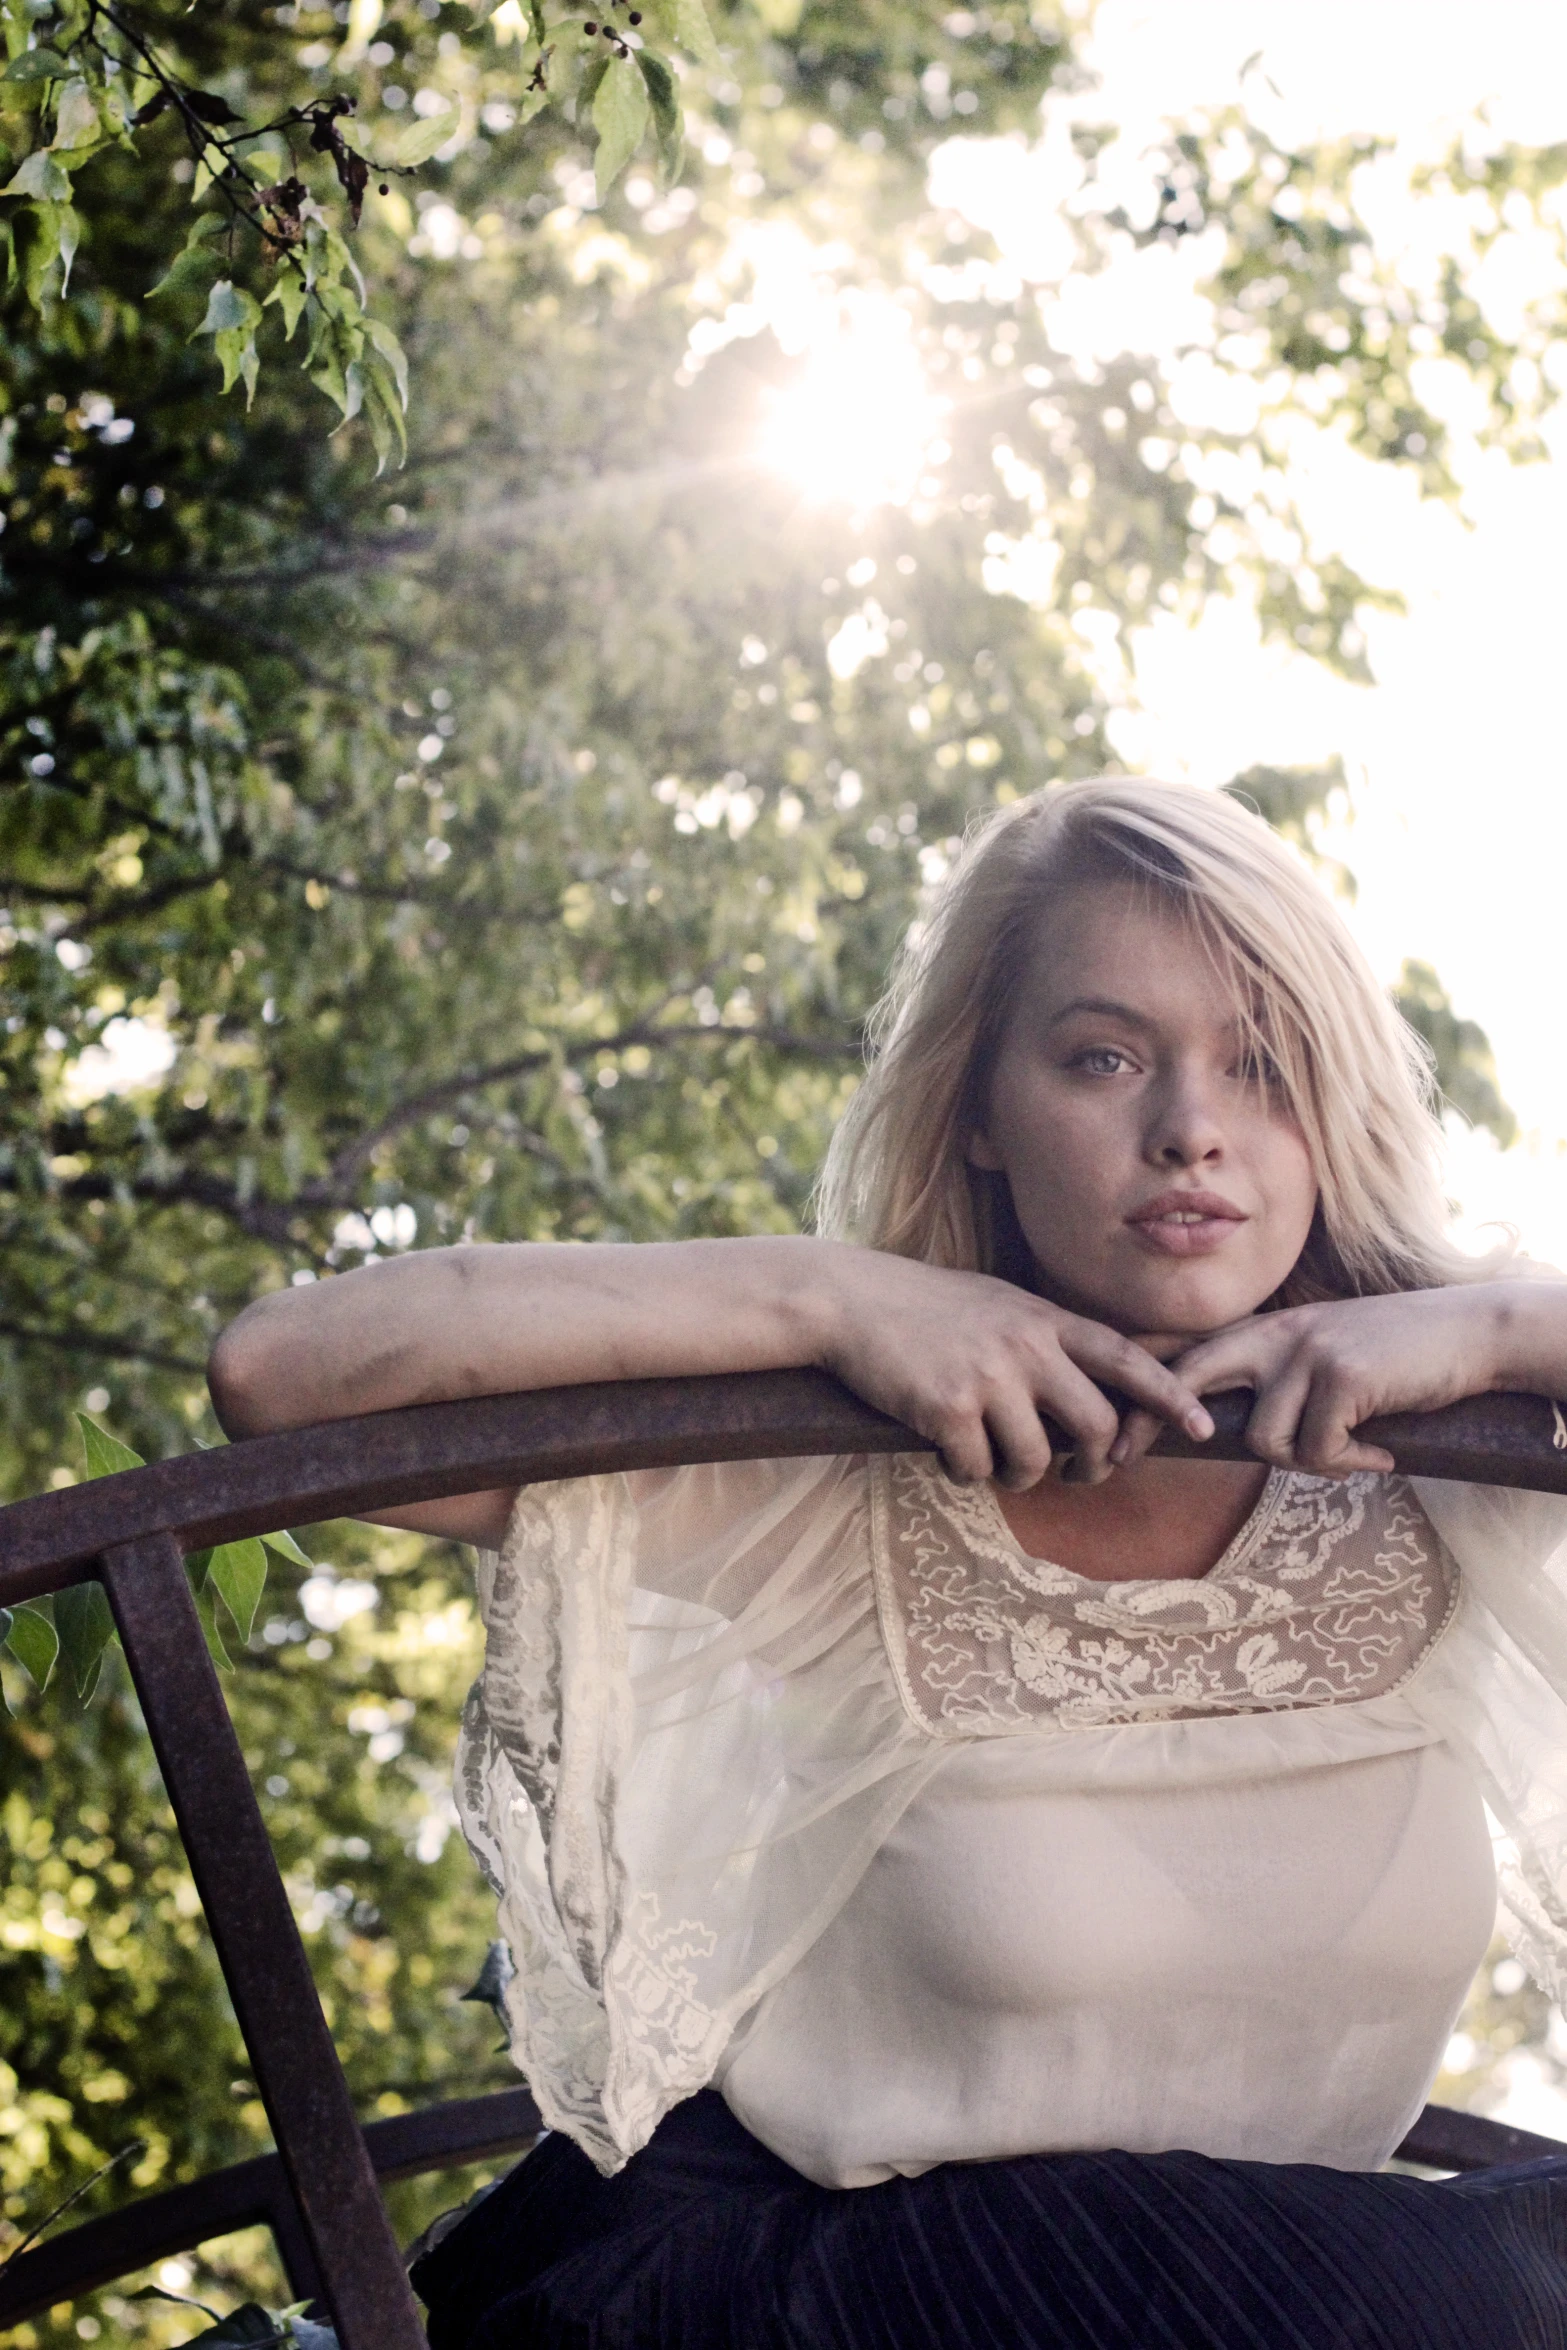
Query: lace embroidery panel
x,y
1331,1594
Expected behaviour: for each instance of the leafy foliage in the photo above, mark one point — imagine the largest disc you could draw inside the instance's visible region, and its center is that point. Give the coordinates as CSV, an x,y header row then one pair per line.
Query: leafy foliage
x,y
1460,1049
250,2323
280,168
76,1626
113,2020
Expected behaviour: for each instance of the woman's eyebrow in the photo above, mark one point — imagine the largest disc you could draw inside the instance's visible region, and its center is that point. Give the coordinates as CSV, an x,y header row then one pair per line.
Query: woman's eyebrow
x,y
1104,1007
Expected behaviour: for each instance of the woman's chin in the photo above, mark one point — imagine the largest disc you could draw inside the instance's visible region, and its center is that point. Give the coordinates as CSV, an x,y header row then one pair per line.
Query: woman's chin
x,y
1169,1316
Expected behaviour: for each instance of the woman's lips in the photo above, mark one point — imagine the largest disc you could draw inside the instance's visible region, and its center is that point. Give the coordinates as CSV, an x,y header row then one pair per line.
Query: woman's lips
x,y
1186,1223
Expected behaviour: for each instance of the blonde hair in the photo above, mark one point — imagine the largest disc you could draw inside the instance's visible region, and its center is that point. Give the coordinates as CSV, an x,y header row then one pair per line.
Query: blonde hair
x,y
1355,1076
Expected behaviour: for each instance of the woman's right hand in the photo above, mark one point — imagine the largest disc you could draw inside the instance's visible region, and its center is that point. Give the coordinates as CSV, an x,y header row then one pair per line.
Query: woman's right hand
x,y
973,1363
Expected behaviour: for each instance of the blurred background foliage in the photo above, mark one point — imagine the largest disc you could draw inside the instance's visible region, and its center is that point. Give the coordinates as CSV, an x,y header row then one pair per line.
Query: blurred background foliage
x,y
511,847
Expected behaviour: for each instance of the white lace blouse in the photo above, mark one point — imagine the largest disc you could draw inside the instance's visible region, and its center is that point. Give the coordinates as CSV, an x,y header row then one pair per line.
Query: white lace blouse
x,y
800,1777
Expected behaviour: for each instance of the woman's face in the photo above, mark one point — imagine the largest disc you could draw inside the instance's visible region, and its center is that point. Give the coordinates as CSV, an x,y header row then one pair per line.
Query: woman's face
x,y
1160,1188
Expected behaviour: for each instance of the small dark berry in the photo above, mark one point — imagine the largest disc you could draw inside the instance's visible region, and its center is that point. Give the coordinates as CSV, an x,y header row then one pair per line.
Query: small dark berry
x,y
590,28
385,190
636,16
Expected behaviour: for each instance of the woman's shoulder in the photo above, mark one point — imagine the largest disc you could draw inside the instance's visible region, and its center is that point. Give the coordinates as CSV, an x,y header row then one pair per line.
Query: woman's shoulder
x,y
693,1529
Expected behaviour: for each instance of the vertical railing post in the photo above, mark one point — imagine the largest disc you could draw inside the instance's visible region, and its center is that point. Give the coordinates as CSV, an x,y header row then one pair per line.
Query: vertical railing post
x,y
231,1858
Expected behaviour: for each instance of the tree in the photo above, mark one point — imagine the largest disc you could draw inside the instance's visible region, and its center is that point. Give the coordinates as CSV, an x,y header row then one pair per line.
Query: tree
x,y
283,156
513,846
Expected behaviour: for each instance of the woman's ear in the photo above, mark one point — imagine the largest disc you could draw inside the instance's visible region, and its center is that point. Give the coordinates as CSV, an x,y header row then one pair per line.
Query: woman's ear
x,y
980,1151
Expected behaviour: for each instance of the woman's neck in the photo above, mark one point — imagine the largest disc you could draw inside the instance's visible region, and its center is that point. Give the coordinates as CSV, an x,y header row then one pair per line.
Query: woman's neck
x,y
1160,1521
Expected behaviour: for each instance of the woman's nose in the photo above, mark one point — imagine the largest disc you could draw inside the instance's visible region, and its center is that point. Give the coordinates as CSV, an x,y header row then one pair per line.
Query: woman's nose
x,y
1185,1128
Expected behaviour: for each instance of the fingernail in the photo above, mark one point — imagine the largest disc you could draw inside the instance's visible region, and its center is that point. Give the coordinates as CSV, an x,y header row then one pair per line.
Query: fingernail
x,y
1199,1425
1119,1450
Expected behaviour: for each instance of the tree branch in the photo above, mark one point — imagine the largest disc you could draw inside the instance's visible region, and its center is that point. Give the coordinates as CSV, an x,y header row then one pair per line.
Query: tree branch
x,y
114,1350
271,1220
349,1163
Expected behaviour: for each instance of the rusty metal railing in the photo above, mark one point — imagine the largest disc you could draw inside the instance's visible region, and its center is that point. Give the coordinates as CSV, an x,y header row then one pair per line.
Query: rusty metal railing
x,y
319,2191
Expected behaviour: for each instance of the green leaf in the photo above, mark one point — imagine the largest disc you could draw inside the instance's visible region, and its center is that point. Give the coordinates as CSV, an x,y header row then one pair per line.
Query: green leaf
x,y
35,237
70,232
664,94
339,264
195,265
587,89
106,1455
246,2325
420,140
85,1623
249,2323
287,1548
76,120
34,1642
206,1613
384,411
236,353
40,176
290,293
326,373
540,30
620,116
237,1572
38,65
392,352
229,307
336,340
687,23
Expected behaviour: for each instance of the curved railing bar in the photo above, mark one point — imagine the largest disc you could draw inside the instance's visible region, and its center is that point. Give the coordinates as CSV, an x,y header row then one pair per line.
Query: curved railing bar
x,y
130,1530
100,2251
428,1451
468,2130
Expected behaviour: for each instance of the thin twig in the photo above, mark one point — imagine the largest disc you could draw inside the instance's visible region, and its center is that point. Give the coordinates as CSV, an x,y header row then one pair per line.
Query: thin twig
x,y
112,1349
126,2154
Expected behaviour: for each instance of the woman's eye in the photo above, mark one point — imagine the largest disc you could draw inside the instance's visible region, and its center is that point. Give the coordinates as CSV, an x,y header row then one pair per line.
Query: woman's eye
x,y
1101,1060
1258,1069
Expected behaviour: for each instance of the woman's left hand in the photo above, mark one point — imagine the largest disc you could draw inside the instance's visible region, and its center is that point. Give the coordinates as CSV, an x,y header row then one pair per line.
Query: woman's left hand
x,y
1319,1371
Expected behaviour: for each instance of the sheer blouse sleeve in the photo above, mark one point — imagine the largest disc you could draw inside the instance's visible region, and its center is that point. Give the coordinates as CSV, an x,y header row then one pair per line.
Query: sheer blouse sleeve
x,y
684,1749
1496,1688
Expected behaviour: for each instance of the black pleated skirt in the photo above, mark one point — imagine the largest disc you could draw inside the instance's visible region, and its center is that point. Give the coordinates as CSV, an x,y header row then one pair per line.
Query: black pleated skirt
x,y
706,2241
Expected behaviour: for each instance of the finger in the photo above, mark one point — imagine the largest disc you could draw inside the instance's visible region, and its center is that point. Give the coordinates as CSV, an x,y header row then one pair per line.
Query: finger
x,y
1246,1355
1087,1415
1018,1442
964,1447
1139,1431
1273,1428
1353,1458
1325,1441
1105,1354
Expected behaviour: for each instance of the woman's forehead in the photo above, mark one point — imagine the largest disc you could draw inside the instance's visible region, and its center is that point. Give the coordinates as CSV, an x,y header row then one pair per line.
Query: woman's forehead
x,y
1131,945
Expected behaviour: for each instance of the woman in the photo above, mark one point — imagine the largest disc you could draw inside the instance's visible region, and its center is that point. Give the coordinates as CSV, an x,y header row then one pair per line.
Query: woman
x,y
1013,1900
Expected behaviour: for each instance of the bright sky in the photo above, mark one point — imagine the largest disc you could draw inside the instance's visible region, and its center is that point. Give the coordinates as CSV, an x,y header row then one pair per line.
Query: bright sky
x,y
1458,826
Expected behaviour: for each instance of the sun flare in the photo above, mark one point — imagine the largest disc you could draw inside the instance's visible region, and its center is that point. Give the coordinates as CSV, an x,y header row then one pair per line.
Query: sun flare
x,y
858,424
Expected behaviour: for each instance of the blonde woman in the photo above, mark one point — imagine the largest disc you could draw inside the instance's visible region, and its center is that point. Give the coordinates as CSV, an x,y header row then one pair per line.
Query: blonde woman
x,y
1005,1900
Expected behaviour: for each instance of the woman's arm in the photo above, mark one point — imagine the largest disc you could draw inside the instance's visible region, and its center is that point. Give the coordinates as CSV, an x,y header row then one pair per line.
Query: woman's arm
x,y
969,1361
495,1320
1319,1371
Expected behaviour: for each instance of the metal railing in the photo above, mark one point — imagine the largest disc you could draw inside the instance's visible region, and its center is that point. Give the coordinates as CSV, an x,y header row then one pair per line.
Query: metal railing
x,y
319,2192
